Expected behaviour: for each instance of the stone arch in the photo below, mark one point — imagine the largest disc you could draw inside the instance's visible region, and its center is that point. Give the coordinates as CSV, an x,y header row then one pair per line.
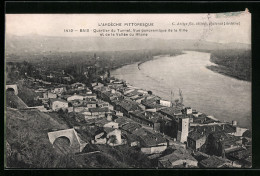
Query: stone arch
x,y
61,134
76,143
10,87
63,137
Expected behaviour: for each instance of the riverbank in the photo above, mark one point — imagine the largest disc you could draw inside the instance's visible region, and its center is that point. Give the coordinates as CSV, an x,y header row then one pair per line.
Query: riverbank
x,y
158,57
232,63
227,72
150,58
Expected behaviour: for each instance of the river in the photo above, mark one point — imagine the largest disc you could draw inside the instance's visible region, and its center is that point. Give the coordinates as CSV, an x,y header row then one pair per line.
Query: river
x,y
223,97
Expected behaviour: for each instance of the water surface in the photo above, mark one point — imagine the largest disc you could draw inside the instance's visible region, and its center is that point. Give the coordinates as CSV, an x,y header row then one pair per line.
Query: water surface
x,y
223,97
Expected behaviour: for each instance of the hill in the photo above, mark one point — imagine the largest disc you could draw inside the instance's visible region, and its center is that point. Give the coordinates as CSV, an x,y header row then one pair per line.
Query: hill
x,y
39,44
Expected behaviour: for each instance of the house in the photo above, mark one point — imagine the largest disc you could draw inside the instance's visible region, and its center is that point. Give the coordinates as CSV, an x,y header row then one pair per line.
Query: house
x,y
171,112
240,156
108,96
57,104
133,140
76,97
100,112
196,140
130,126
79,86
76,103
80,109
59,90
122,120
148,118
48,94
152,103
206,129
102,104
99,137
178,159
215,162
113,136
219,143
106,124
150,138
135,94
187,110
238,131
91,96
165,103
154,149
91,104
127,106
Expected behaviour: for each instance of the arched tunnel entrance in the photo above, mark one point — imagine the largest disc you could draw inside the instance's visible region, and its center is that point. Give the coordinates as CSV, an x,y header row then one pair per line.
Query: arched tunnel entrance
x,y
10,89
13,88
62,145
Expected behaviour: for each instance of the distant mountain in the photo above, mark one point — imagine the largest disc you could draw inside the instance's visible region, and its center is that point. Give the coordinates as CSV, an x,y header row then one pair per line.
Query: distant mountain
x,y
38,44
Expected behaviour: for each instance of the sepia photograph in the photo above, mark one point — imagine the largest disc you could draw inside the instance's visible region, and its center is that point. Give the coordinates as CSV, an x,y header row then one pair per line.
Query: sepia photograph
x,y
148,91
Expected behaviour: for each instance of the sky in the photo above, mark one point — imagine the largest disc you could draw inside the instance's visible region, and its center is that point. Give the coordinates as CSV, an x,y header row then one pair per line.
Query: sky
x,y
54,25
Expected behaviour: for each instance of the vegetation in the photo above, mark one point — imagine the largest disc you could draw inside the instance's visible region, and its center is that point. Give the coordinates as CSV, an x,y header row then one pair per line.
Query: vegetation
x,y
234,63
18,70
82,66
28,95
28,146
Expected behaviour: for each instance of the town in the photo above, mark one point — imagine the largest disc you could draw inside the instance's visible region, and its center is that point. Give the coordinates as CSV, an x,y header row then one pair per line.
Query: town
x,y
111,112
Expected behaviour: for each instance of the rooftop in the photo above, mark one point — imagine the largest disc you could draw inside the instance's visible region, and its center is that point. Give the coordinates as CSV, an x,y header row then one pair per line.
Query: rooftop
x,y
180,154
98,109
130,127
122,120
171,111
129,105
149,116
57,99
195,135
149,138
214,162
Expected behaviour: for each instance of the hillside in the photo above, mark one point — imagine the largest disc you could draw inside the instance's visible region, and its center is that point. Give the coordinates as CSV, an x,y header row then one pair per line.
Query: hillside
x,y
38,44
28,146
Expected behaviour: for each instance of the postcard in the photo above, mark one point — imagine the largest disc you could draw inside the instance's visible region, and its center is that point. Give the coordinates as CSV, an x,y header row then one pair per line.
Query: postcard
x,y
128,90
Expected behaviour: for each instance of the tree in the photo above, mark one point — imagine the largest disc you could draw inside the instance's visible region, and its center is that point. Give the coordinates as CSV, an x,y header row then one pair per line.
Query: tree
x,y
113,139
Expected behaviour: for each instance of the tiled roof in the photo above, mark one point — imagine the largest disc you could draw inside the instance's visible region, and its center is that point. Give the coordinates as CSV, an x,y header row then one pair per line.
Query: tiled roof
x,y
195,135
148,138
149,116
108,130
129,105
123,120
213,162
207,129
171,111
180,154
130,127
102,122
98,109
57,99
